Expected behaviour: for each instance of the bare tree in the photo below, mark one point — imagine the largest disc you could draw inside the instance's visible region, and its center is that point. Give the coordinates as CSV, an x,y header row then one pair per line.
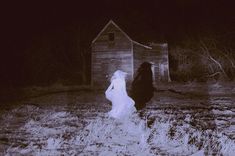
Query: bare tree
x,y
202,59
207,54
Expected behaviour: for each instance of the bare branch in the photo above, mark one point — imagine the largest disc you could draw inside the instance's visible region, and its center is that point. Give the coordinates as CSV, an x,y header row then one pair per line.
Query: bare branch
x,y
230,60
214,74
207,52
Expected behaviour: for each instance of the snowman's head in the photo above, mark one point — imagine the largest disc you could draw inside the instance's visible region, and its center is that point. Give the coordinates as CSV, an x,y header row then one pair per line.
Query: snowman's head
x,y
119,75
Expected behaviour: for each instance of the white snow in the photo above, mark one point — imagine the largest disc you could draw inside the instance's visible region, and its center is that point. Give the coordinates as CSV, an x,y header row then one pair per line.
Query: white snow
x,y
107,136
88,130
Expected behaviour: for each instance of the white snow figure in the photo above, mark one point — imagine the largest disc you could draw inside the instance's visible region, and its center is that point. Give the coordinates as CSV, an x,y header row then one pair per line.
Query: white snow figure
x,y
122,104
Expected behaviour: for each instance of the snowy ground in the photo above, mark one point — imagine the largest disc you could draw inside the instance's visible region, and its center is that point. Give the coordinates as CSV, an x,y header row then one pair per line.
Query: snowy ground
x,y
184,120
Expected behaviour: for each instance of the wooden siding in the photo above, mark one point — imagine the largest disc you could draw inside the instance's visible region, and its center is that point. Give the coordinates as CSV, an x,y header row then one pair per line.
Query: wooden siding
x,y
103,66
109,56
121,42
124,54
163,62
158,55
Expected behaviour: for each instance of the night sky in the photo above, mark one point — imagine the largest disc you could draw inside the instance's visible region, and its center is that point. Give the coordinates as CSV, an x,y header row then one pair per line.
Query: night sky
x,y
25,24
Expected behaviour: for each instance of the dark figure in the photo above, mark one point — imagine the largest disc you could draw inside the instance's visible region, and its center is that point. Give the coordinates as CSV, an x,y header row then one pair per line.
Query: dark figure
x,y
142,89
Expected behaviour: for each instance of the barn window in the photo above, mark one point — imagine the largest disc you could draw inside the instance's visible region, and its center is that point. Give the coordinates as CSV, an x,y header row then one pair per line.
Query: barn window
x,y
111,36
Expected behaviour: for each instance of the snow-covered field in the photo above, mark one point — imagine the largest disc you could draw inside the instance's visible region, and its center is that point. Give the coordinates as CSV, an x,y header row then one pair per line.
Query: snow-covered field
x,y
195,120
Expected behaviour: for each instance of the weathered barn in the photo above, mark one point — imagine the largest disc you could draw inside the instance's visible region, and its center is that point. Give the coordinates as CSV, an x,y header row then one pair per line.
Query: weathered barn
x,y
113,49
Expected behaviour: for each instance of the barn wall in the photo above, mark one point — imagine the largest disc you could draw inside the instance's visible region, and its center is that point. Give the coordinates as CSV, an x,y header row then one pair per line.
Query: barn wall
x,y
158,55
139,57
142,54
163,62
109,56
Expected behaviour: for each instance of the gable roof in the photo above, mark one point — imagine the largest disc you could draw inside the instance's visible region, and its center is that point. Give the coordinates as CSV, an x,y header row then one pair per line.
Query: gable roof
x,y
111,22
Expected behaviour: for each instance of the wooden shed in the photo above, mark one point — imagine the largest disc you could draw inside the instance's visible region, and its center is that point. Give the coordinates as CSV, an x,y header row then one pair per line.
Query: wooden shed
x,y
113,49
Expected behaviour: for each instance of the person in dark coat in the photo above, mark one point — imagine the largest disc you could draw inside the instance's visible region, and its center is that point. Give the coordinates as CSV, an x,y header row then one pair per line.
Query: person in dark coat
x,y
142,89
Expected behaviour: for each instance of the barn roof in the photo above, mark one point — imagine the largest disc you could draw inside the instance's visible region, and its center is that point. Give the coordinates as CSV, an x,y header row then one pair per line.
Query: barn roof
x,y
111,22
